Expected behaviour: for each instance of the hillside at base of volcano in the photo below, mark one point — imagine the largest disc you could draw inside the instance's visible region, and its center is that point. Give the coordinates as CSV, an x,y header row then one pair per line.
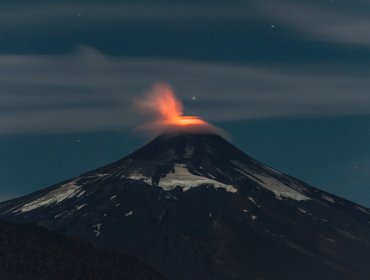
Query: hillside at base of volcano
x,y
31,252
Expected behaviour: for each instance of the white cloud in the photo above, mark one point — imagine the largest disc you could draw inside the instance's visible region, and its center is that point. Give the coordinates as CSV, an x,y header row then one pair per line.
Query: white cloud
x,y
335,21
88,91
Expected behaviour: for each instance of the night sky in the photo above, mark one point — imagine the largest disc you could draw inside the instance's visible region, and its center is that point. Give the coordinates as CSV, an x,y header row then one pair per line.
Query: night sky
x,y
288,80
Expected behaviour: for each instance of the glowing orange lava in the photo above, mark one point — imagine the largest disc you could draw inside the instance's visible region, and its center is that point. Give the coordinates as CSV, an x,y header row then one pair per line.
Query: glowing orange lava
x,y
168,110
187,120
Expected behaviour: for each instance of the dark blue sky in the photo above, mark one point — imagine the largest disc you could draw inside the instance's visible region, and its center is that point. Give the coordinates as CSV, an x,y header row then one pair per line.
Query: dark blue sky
x,y
287,79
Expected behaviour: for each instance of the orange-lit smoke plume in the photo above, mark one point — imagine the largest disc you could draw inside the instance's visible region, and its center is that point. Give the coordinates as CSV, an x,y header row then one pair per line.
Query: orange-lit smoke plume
x,y
167,110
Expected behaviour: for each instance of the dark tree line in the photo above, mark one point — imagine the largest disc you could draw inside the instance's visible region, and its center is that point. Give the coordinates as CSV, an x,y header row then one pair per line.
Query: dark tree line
x,y
31,252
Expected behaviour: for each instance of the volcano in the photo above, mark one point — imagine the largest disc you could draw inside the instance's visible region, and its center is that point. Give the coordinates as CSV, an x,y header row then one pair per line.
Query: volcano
x,y
193,206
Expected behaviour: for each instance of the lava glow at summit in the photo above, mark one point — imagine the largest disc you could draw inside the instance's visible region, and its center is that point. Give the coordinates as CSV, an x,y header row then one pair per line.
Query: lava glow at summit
x,y
168,111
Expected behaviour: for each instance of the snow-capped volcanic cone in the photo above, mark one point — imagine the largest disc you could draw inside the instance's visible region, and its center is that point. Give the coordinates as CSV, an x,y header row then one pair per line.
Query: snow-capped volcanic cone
x,y
195,207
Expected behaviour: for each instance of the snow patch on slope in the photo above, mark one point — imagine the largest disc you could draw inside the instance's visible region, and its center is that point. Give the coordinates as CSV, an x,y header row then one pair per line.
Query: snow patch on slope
x,y
55,196
280,189
252,199
181,177
78,207
129,214
328,198
139,177
362,209
97,229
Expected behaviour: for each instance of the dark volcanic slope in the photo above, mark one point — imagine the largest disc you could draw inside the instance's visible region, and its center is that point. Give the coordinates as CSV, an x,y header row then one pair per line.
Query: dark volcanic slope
x,y
195,207
31,252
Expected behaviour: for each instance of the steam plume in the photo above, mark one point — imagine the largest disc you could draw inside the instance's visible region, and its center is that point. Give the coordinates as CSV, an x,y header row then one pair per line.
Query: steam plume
x,y
166,111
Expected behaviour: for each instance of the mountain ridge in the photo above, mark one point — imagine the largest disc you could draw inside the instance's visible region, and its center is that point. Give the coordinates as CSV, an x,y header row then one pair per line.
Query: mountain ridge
x,y
195,206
